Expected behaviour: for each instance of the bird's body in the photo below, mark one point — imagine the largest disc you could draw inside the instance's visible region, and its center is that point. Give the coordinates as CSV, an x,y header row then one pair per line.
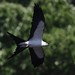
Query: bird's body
x,y
34,42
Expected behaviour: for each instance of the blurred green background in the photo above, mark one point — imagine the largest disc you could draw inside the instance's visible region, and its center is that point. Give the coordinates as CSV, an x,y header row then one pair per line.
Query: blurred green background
x,y
16,17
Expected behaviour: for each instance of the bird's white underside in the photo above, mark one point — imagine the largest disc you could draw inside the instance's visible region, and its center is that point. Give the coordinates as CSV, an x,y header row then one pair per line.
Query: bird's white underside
x,y
36,43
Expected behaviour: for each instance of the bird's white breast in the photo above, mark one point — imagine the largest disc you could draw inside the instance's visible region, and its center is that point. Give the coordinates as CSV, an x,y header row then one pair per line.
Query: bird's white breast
x,y
34,43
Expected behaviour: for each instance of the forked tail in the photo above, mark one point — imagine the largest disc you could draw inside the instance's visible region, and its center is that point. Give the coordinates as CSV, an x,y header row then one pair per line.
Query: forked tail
x,y
17,41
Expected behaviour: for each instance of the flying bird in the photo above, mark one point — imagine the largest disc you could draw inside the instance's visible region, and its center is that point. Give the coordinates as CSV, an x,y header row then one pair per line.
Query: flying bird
x,y
34,42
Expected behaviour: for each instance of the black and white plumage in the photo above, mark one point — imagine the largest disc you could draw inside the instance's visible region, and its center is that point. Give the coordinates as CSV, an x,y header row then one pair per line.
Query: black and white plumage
x,y
34,41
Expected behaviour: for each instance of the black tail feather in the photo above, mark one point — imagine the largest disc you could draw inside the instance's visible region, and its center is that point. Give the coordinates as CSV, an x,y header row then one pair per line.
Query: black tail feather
x,y
18,50
16,39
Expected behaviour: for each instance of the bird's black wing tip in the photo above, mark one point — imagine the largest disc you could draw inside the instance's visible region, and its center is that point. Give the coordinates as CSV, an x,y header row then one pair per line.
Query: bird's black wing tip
x,y
36,5
37,65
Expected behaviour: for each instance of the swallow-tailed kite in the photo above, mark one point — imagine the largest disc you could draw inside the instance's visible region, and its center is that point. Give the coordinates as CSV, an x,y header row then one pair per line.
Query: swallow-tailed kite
x,y
35,41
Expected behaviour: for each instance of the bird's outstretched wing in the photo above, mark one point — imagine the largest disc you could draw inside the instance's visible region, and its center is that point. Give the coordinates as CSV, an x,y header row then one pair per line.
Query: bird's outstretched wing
x,y
37,55
38,23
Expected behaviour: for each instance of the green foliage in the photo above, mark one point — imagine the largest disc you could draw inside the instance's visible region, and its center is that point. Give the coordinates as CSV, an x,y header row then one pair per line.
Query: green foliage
x,y
58,14
22,2
59,33
15,19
